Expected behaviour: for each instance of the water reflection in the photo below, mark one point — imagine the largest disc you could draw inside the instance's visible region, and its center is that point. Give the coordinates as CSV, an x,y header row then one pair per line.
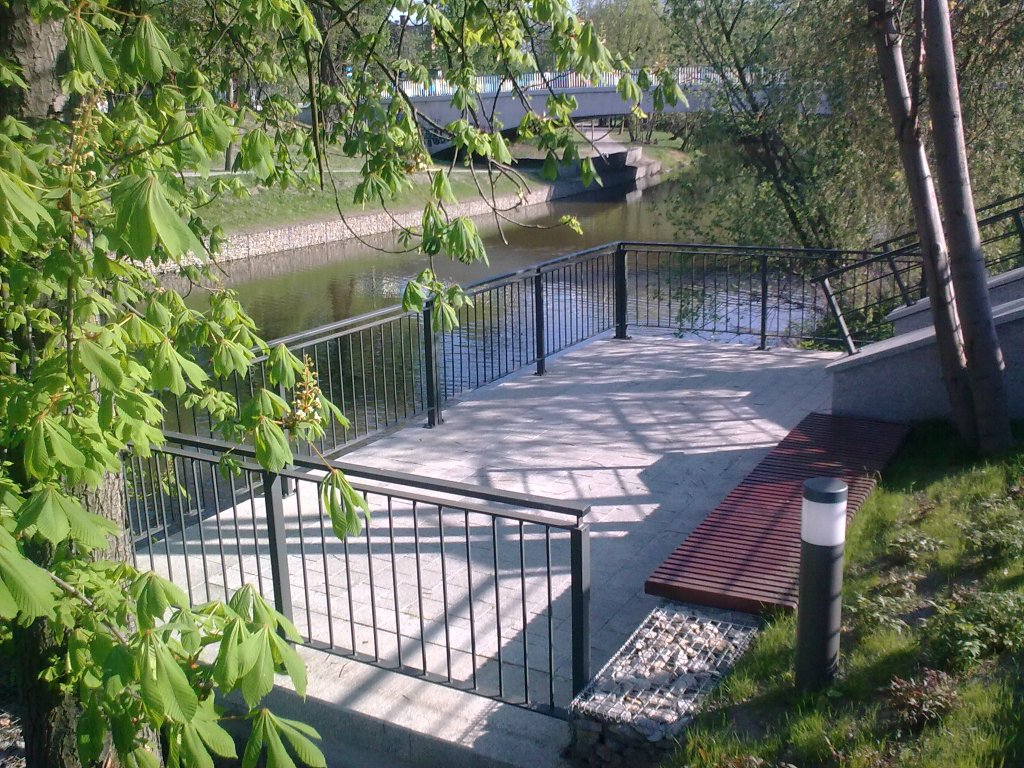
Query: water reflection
x,y
303,288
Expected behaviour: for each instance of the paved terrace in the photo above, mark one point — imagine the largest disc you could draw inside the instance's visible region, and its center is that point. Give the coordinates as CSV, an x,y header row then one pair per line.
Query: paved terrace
x,y
652,432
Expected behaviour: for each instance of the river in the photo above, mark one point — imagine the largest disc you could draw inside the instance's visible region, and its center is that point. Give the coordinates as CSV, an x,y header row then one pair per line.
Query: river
x,y
300,289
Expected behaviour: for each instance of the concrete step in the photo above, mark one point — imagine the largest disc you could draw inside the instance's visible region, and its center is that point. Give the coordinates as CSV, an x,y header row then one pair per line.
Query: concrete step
x,y
1002,288
370,718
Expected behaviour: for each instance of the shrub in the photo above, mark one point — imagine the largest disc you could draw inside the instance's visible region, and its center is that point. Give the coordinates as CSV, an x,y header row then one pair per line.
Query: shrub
x,y
972,625
917,701
994,531
909,545
885,603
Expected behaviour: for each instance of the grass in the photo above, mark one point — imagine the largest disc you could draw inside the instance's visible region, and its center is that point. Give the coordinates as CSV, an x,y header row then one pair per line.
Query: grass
x,y
939,523
266,208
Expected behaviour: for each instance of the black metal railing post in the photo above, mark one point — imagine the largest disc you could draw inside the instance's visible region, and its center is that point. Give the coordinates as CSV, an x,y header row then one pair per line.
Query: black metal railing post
x,y
764,301
430,367
837,313
621,293
904,293
273,499
539,328
579,566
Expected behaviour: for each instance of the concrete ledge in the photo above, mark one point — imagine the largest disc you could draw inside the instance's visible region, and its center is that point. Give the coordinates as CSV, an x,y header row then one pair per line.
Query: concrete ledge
x,y
1002,288
370,717
899,379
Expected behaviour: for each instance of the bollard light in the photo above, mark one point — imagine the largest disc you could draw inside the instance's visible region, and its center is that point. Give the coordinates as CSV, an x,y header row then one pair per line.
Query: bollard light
x,y
819,608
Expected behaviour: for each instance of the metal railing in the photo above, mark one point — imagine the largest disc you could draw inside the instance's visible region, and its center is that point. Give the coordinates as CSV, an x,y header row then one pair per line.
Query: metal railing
x,y
475,588
750,293
386,367
557,81
864,292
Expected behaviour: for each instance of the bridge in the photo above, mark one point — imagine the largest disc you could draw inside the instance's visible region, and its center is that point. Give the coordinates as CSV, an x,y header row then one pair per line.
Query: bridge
x,y
505,100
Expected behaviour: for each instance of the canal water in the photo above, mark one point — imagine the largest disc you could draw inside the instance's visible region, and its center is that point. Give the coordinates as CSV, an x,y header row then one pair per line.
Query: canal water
x,y
303,288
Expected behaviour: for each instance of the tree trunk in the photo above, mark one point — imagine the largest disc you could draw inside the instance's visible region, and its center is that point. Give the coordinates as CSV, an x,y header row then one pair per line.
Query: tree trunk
x,y
51,715
967,261
935,257
37,48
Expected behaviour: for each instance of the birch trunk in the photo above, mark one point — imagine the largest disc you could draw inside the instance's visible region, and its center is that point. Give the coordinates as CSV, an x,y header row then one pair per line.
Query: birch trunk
x,y
967,261
948,335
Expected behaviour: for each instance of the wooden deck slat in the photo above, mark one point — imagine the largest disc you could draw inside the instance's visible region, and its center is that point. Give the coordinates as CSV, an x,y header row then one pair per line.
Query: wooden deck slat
x,y
745,555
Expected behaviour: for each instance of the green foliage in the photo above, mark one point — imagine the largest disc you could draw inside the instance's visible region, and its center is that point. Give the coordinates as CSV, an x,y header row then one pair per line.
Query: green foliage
x,y
917,701
972,625
994,530
801,151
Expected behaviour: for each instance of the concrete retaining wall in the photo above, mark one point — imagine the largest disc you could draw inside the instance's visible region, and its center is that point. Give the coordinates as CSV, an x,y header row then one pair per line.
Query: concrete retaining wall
x,y
900,380
1001,288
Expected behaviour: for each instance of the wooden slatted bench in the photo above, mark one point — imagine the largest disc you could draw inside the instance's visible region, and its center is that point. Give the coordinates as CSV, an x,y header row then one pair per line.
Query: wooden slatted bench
x,y
745,555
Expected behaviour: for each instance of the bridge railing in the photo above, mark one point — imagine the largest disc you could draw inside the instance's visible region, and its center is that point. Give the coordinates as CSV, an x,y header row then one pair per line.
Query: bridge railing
x,y
557,81
478,589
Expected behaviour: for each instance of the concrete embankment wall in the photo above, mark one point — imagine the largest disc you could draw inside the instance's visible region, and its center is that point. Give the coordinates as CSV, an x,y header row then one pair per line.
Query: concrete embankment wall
x,y
899,379
620,169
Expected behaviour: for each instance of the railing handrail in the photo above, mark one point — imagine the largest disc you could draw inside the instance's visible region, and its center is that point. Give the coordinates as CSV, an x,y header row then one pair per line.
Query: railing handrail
x,y
1019,199
462,491
745,248
348,324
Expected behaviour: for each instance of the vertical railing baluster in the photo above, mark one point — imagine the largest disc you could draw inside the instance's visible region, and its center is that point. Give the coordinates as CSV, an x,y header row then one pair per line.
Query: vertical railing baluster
x,y
199,527
522,591
469,593
373,589
327,572
419,584
764,301
394,579
348,592
302,561
550,617
444,594
220,530
497,603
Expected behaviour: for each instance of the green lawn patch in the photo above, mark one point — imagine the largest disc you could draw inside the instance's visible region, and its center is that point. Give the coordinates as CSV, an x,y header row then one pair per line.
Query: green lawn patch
x,y
264,208
933,635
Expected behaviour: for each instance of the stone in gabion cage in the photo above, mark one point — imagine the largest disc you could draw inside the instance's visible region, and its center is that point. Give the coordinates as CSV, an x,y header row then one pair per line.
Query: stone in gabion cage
x,y
648,692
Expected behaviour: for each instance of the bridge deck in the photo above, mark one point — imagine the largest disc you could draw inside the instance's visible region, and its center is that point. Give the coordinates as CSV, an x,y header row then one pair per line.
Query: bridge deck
x,y
745,555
